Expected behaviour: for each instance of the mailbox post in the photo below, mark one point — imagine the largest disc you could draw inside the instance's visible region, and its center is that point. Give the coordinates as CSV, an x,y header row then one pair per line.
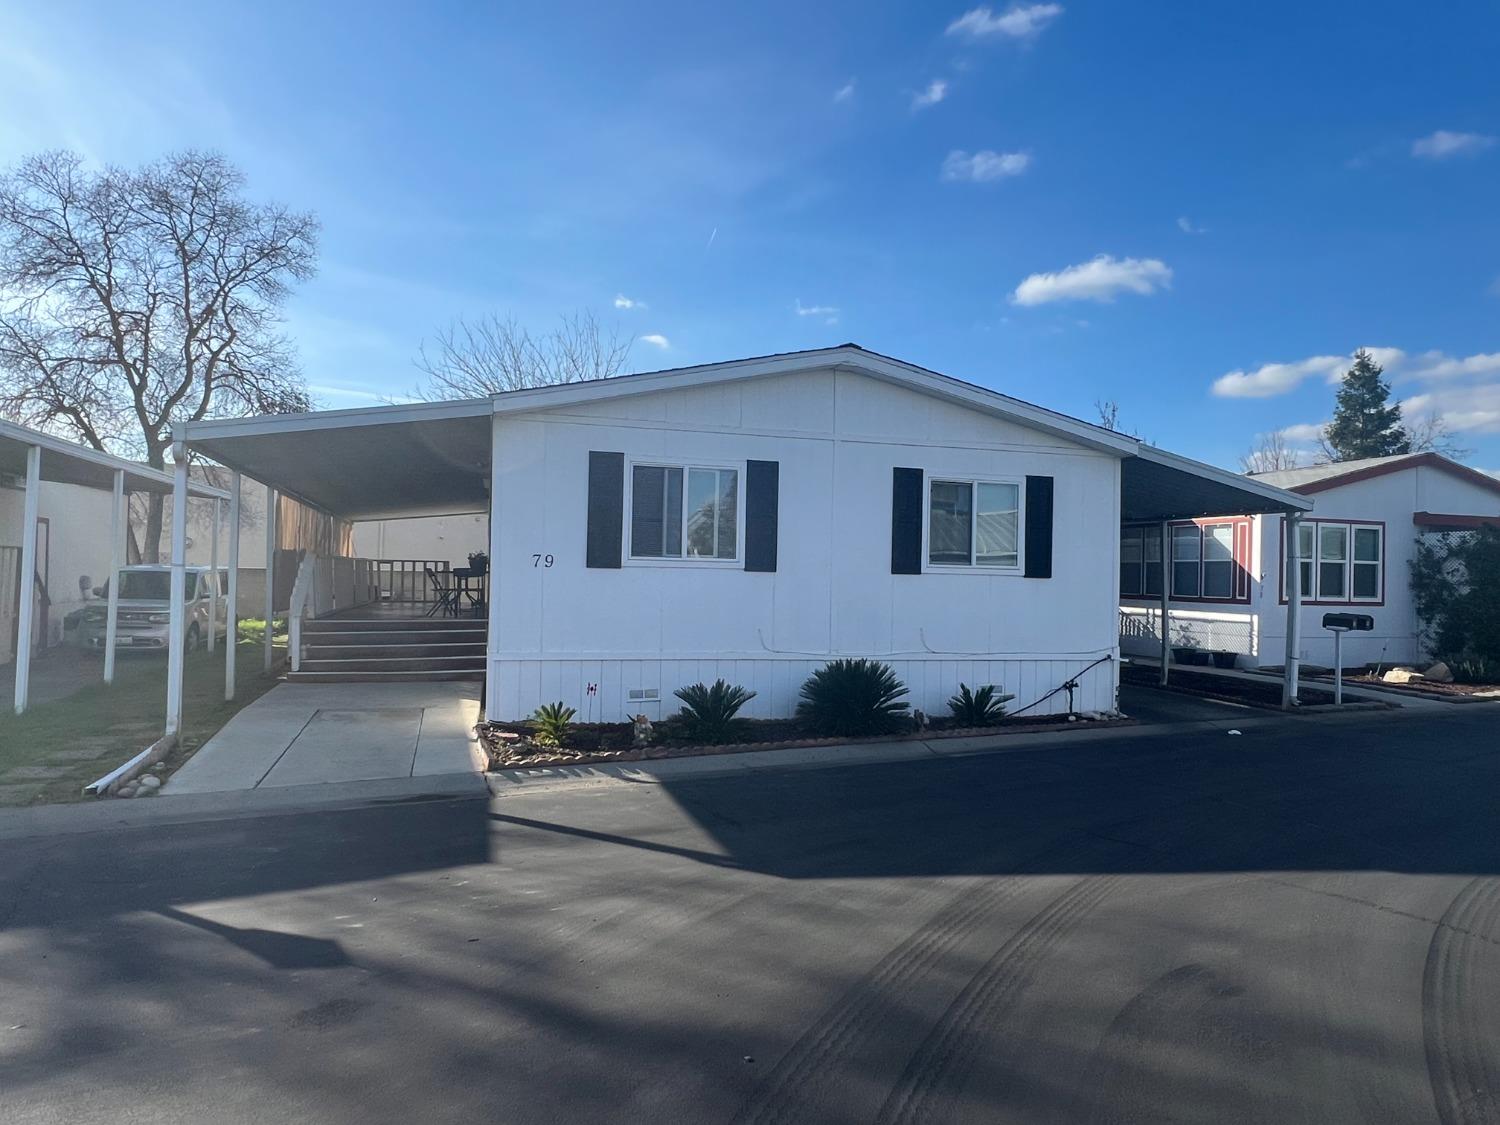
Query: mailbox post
x,y
1338,624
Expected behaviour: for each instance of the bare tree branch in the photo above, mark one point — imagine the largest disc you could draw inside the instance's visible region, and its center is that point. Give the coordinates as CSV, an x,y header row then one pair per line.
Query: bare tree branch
x,y
130,299
472,359
1270,454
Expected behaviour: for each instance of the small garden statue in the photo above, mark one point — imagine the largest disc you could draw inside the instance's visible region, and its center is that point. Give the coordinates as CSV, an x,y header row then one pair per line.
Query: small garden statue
x,y
641,732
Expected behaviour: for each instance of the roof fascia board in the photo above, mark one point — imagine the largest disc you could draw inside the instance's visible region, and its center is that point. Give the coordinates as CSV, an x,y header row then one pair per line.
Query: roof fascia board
x,y
1415,461
143,475
1289,500
264,424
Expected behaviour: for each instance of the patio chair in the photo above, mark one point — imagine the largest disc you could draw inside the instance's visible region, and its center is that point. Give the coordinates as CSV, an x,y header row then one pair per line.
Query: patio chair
x,y
446,602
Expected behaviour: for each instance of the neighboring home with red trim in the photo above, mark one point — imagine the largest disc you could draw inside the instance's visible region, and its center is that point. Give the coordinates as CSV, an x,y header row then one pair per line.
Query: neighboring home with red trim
x,y
1228,585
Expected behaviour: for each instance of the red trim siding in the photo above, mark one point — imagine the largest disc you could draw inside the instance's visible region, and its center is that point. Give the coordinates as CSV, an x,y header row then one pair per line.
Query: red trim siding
x,y
1445,521
1416,460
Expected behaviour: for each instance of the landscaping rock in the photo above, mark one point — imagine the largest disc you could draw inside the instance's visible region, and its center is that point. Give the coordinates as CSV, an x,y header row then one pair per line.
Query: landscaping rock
x,y
150,782
127,790
1439,673
1403,676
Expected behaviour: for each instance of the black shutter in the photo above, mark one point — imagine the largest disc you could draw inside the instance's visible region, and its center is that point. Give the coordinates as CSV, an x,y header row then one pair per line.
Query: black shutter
x,y
762,499
906,521
1038,527
606,507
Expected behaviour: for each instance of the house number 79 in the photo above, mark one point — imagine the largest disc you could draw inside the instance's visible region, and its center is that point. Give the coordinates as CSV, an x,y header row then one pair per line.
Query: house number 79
x,y
542,560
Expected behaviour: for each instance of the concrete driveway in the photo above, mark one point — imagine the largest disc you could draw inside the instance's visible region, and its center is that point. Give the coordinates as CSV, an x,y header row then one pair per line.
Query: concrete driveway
x,y
311,734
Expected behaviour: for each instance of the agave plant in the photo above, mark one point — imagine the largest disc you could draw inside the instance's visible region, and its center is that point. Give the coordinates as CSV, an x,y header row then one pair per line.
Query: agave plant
x,y
708,713
551,723
978,708
848,698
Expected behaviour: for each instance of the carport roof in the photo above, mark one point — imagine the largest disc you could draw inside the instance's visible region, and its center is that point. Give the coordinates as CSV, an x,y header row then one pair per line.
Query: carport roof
x,y
432,458
66,462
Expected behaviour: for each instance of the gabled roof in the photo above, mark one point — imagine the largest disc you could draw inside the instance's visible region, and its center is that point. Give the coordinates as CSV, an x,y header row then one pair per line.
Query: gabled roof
x,y
430,458
1320,478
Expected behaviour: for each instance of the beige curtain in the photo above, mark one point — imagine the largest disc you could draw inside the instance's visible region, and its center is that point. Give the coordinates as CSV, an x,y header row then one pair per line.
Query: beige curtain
x,y
300,528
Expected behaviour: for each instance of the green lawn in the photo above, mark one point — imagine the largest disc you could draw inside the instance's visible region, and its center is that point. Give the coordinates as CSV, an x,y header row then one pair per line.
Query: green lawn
x,y
50,753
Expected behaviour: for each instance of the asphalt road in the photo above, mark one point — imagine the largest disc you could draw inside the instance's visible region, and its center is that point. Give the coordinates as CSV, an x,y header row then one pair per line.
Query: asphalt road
x,y
1297,924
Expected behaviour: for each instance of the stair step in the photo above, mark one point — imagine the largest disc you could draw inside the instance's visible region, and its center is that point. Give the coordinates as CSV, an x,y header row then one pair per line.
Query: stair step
x,y
381,677
389,624
408,637
396,664
315,650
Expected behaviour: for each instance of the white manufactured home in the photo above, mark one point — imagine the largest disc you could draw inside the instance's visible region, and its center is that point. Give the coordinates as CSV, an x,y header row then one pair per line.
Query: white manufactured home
x,y
1228,574
748,520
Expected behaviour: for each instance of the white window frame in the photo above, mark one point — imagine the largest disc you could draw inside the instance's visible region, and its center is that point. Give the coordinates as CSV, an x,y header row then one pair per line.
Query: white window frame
x,y
930,567
686,466
1313,592
1149,566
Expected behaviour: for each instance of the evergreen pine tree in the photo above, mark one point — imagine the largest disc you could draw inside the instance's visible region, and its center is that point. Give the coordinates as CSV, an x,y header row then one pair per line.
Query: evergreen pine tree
x,y
1365,424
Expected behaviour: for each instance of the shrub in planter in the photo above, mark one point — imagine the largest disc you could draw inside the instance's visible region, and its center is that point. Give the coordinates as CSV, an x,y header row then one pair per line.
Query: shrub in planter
x,y
550,724
979,708
847,698
708,713
1475,670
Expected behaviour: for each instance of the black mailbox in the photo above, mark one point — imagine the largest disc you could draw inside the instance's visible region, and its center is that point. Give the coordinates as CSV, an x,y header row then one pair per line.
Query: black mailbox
x,y
1360,622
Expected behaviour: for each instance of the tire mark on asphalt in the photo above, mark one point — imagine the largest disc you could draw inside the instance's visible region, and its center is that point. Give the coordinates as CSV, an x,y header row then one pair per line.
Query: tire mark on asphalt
x,y
796,1085
1461,1067
941,1066
1173,1004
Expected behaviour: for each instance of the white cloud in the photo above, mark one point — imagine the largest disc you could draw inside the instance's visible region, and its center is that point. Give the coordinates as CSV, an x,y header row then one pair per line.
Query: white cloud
x,y
845,92
1186,226
829,313
1445,143
624,302
1019,21
656,340
1102,279
983,166
1436,365
1276,378
1464,410
1303,433
936,91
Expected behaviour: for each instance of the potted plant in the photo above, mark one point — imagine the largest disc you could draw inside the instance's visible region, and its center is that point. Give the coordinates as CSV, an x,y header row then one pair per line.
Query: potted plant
x,y
1224,658
479,562
1184,646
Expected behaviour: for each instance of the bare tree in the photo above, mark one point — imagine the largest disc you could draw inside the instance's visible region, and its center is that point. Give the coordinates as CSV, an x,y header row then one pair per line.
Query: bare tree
x,y
1270,454
131,299
472,359
1428,433
1109,413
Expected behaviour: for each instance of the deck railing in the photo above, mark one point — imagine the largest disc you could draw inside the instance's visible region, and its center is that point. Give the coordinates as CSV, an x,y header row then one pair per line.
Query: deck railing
x,y
405,580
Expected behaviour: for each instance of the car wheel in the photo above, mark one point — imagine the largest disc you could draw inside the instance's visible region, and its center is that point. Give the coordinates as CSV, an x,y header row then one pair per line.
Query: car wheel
x,y
193,639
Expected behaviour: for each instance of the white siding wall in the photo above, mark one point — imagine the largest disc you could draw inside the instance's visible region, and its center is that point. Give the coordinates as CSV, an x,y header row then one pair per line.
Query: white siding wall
x,y
555,631
77,546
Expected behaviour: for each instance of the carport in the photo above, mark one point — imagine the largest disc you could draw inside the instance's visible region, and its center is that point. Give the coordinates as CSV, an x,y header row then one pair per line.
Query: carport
x,y
37,457
1158,487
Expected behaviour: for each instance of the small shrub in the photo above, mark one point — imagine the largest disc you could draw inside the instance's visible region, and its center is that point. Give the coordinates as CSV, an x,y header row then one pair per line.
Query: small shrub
x,y
550,724
708,713
847,698
977,708
1475,670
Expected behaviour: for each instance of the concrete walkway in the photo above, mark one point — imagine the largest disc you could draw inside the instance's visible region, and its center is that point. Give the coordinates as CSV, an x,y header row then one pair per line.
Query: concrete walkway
x,y
308,734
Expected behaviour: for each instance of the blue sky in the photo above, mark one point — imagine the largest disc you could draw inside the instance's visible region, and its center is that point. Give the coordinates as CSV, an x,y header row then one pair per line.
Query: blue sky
x,y
1195,210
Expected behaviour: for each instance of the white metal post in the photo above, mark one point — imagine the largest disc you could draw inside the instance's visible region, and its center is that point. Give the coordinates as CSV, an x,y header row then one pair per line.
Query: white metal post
x,y
116,561
1338,667
27,609
176,623
231,599
1166,595
215,591
1293,532
270,573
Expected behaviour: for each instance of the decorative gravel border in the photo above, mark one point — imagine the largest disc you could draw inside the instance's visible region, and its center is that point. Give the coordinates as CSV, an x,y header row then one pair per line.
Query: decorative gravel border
x,y
502,757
